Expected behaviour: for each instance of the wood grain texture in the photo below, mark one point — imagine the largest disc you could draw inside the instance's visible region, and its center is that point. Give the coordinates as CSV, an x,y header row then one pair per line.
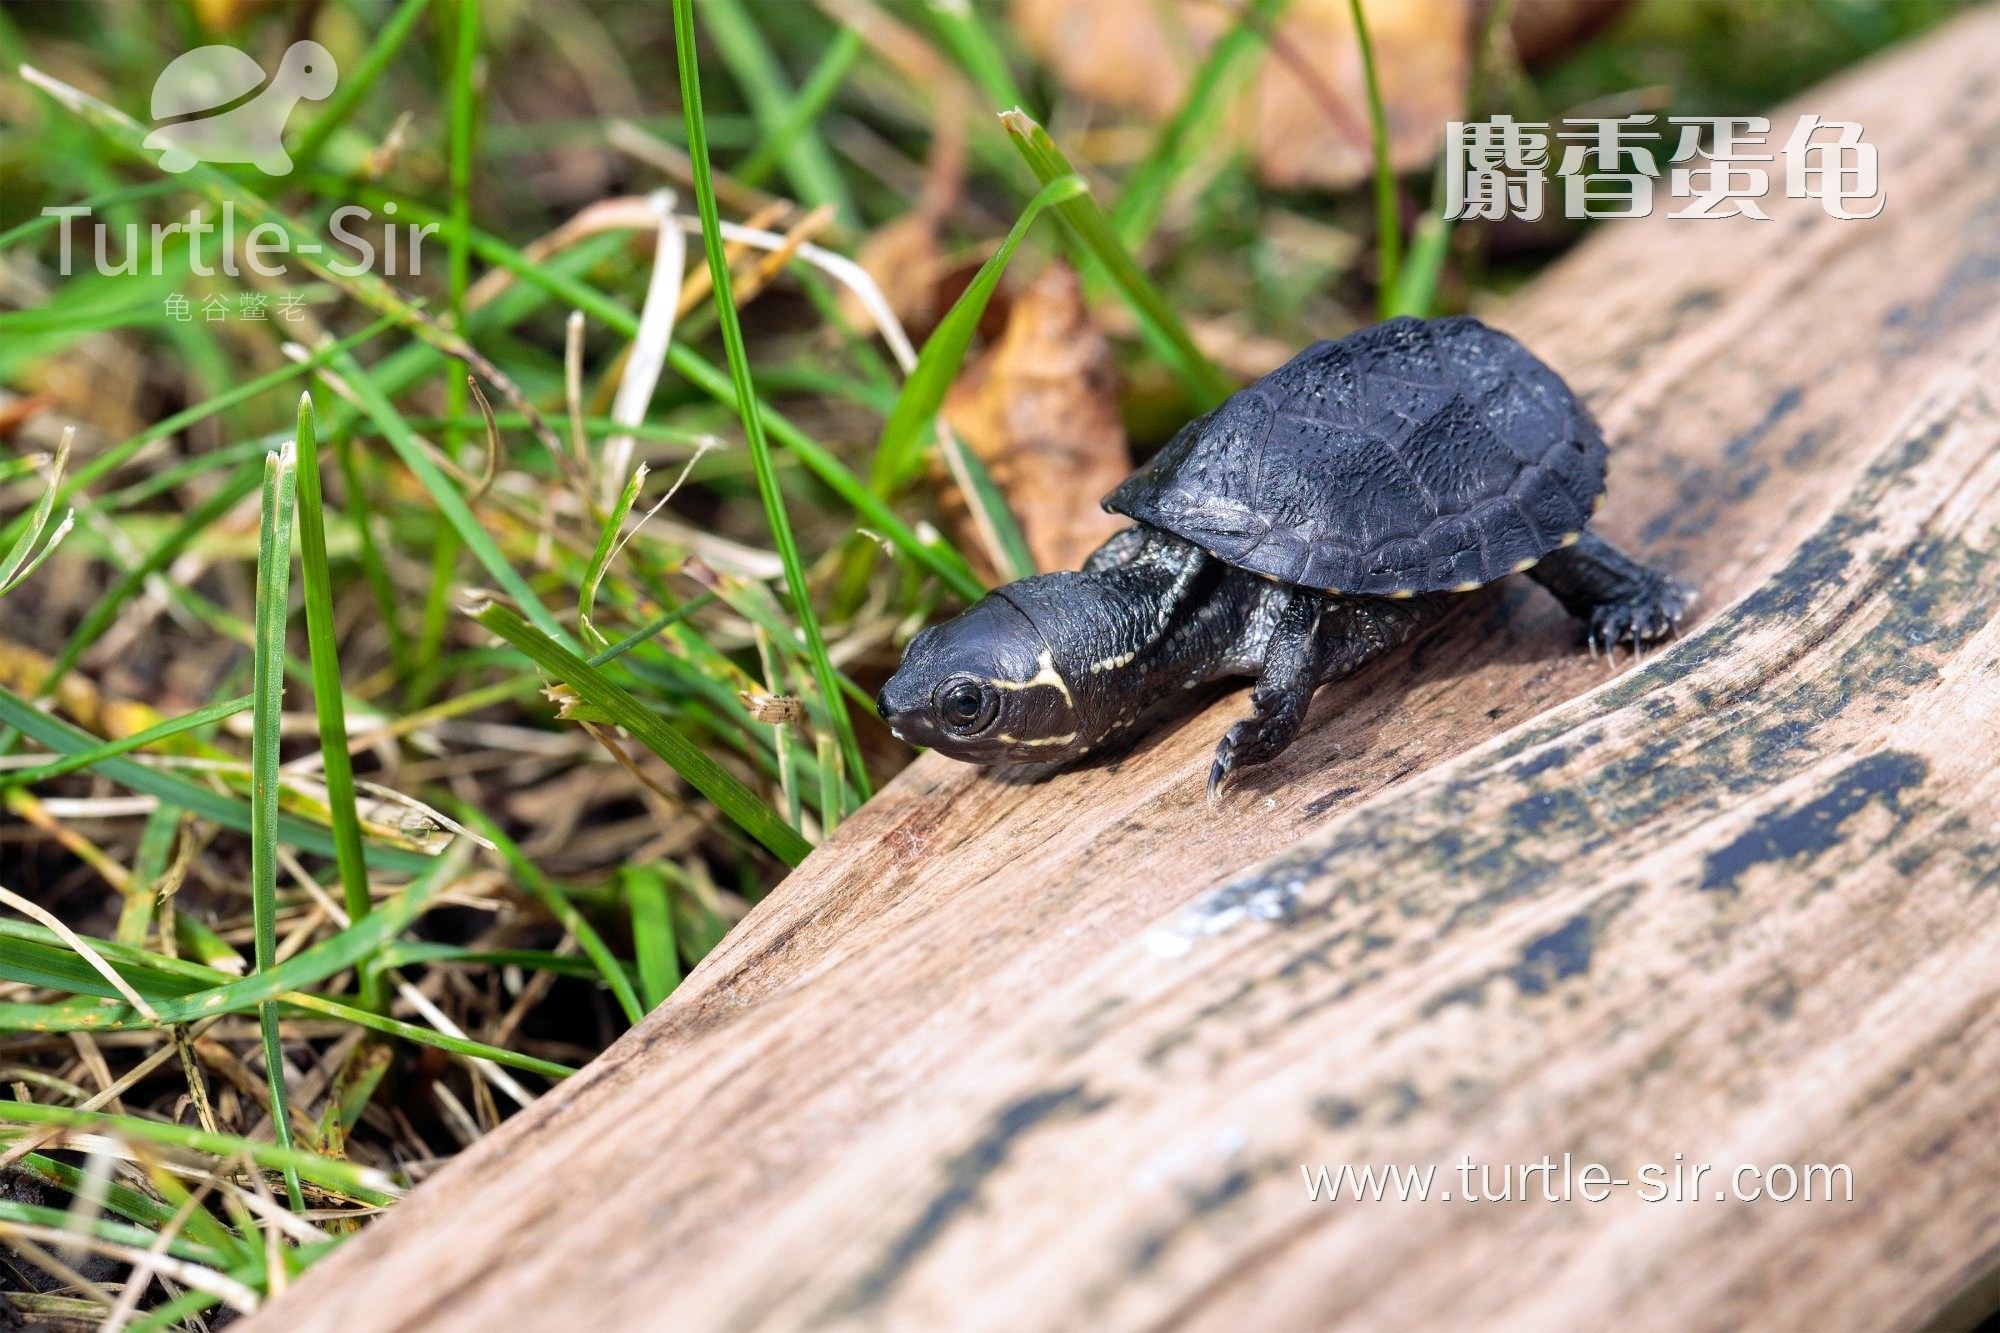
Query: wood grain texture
x,y
1050,1054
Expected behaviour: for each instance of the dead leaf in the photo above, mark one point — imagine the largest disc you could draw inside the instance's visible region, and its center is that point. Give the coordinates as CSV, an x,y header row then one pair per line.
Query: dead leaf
x,y
776,710
906,257
1304,111
1040,409
907,260
23,670
17,411
1544,30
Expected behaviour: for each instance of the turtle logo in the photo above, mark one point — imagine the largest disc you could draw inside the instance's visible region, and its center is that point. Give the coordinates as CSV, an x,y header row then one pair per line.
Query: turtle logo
x,y
214,104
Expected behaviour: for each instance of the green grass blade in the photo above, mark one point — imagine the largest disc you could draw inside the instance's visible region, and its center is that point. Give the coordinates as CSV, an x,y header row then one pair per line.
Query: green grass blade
x,y
138,740
984,494
406,953
356,1182
649,900
1093,236
565,912
120,1233
323,646
777,138
899,451
178,792
964,34
444,542
423,1036
940,559
374,568
179,1312
95,206
127,1202
1430,240
13,469
359,81
22,560
446,497
201,1225
1416,287
274,583
43,959
747,404
105,611
1144,194
149,867
1388,225
808,165
464,112
120,453
197,940
600,558
348,948
731,797
32,955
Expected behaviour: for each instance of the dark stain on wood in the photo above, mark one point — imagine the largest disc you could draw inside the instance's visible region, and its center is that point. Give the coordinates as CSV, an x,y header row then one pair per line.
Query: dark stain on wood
x,y
1812,828
964,1177
1555,957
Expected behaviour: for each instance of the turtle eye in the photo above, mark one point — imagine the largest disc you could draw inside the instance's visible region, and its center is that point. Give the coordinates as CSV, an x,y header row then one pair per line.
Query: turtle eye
x,y
966,706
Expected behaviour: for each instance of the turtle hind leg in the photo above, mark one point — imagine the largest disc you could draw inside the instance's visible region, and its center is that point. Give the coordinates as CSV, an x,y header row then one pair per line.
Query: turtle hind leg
x,y
1284,690
1618,599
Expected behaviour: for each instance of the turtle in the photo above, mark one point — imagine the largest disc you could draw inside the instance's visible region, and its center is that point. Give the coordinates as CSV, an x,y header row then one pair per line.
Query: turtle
x,y
1313,521
242,127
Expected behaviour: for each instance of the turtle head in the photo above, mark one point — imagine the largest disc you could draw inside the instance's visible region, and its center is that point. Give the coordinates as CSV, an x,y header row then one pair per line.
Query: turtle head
x,y
307,71
985,688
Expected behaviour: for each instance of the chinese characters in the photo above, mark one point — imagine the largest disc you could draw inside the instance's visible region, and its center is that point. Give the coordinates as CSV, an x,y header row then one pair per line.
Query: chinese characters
x,y
1610,167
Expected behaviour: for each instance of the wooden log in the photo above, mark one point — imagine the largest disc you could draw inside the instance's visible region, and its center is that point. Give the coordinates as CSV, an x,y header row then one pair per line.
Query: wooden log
x,y
1052,1054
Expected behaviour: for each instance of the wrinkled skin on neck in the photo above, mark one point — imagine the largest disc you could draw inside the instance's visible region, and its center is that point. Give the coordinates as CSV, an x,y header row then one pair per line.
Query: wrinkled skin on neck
x,y
1052,667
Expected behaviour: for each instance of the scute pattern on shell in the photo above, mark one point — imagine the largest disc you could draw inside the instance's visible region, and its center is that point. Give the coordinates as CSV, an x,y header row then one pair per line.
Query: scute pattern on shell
x,y
1415,456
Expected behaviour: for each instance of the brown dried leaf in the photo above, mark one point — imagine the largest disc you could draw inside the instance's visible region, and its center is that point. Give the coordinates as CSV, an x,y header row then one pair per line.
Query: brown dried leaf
x,y
1040,409
906,257
777,710
17,411
1544,30
907,260
1304,112
23,670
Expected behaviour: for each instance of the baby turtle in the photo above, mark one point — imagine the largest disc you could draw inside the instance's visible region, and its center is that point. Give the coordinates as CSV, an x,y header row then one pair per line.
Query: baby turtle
x,y
1310,523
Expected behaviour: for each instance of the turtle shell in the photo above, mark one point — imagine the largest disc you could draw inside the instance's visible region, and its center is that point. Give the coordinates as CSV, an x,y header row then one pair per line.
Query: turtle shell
x,y
1415,456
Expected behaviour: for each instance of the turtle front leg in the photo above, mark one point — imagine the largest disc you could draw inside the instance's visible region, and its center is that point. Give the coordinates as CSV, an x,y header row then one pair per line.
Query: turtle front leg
x,y
1317,639
1284,690
1618,599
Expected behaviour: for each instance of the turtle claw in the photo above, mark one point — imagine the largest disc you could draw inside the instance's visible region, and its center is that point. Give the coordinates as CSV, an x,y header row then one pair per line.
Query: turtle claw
x,y
1255,740
1225,763
1652,614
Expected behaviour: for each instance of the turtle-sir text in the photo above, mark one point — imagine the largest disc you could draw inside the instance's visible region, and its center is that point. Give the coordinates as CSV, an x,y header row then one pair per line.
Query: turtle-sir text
x,y
203,241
